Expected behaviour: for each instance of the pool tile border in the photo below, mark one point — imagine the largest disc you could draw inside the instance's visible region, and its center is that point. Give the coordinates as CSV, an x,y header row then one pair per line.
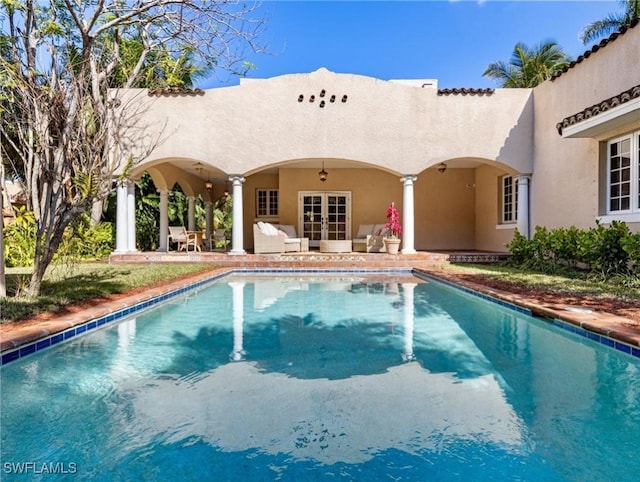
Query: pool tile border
x,y
567,322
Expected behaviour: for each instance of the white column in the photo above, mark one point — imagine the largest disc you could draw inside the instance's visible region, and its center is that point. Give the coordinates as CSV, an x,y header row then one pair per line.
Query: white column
x,y
238,352
121,217
164,219
407,293
208,215
523,224
192,213
131,217
408,216
237,238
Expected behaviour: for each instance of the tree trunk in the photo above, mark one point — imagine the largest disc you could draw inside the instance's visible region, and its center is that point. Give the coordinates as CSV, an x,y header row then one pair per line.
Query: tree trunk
x,y
96,212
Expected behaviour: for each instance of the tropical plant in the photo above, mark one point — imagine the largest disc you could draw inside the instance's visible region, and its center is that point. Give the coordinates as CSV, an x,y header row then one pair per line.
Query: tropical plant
x,y
529,66
612,22
393,228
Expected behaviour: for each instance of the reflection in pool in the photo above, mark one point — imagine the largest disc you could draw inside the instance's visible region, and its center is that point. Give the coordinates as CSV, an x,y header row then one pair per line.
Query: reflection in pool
x,y
349,376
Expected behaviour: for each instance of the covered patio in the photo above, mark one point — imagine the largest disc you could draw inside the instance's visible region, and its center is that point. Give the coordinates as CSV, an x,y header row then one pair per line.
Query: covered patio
x,y
327,153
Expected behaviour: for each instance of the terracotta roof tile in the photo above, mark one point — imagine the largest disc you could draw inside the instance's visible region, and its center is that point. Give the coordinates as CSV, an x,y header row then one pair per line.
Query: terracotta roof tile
x,y
595,48
605,105
175,91
465,91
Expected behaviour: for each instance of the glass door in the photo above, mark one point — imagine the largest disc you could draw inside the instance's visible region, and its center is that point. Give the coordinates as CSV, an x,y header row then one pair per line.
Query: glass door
x,y
324,215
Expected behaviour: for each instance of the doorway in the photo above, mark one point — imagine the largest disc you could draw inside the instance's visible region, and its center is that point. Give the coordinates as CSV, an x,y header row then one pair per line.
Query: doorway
x,y
324,215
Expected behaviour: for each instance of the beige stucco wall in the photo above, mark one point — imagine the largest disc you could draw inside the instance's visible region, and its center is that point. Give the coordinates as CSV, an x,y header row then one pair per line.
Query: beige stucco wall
x,y
396,127
567,182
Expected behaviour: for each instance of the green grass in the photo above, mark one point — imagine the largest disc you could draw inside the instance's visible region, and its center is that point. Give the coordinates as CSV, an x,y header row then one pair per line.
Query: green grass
x,y
68,284
627,288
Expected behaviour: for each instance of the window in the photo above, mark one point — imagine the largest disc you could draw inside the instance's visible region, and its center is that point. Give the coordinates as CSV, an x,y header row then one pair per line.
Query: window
x,y
509,199
267,203
623,174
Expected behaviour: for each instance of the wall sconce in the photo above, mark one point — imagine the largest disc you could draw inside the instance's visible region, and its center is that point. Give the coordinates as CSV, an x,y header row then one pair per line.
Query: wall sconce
x,y
442,167
323,174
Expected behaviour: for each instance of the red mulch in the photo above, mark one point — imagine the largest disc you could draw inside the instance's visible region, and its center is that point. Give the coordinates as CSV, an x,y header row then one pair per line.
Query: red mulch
x,y
625,308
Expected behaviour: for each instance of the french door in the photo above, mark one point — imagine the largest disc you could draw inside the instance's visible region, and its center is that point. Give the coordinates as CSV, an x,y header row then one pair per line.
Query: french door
x,y
324,215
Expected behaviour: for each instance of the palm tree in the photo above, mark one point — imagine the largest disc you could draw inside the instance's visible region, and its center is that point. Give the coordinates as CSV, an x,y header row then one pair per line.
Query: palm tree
x,y
612,22
528,66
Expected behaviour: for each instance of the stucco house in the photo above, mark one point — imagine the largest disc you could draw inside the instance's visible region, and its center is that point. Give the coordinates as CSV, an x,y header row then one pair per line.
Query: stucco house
x,y
465,167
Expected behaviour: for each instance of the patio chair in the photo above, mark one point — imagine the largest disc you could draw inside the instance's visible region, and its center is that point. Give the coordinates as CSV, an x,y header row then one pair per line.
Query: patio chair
x,y
369,239
180,236
267,241
292,242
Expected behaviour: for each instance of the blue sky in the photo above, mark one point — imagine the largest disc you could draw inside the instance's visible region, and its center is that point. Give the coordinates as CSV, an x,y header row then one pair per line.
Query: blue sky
x,y
452,41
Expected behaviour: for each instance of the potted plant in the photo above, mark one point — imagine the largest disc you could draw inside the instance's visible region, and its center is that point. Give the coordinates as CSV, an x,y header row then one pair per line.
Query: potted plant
x,y
392,230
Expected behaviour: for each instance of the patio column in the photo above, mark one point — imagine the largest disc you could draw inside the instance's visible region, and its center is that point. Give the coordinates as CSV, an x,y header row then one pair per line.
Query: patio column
x,y
121,217
407,293
523,206
208,213
164,219
131,217
408,217
237,238
192,213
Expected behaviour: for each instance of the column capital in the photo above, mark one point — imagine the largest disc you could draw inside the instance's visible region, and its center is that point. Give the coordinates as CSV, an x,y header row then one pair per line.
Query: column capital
x,y
408,179
236,179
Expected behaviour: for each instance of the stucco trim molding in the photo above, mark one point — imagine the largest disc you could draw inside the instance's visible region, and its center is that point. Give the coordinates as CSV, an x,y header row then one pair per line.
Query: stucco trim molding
x,y
609,113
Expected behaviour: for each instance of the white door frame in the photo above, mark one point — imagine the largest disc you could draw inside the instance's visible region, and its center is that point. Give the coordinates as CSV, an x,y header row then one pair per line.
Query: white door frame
x,y
324,222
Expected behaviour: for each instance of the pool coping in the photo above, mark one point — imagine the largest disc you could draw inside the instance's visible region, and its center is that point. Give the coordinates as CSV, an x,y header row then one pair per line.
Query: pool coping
x,y
20,339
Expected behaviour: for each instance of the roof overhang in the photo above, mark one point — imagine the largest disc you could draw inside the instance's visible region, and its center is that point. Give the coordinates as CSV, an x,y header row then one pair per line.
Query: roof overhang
x,y
606,116
608,121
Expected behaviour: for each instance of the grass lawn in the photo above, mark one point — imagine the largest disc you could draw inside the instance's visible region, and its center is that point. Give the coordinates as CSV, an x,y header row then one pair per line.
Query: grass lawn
x,y
69,284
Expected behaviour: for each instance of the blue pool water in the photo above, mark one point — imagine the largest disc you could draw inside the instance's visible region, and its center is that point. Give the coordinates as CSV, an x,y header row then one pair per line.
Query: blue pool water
x,y
342,377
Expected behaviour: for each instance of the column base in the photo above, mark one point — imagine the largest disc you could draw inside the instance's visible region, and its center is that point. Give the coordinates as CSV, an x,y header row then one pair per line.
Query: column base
x,y
238,252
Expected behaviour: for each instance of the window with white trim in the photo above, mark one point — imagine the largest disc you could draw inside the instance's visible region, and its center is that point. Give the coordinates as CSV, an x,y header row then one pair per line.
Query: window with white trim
x,y
623,174
509,199
266,203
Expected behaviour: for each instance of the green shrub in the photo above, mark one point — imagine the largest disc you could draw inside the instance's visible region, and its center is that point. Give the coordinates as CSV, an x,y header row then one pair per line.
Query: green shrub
x,y
20,239
631,245
601,248
611,251
82,241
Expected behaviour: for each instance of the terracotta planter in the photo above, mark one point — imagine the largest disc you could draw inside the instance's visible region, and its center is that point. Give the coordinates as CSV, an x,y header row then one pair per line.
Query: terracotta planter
x,y
392,245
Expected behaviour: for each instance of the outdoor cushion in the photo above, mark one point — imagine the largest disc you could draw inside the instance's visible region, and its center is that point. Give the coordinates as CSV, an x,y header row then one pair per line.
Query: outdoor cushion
x,y
364,230
289,229
269,229
379,230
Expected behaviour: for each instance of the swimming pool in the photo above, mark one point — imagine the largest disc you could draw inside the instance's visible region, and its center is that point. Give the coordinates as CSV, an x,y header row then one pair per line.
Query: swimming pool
x,y
347,376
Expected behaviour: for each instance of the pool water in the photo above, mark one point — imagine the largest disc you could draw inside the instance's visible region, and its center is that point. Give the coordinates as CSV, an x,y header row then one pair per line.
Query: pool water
x,y
341,377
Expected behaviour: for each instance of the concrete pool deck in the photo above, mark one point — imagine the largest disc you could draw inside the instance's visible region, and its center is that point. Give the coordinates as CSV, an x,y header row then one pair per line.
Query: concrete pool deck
x,y
16,334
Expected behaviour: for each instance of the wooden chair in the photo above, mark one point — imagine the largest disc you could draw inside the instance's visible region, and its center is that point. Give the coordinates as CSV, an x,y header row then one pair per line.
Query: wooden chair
x,y
180,236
